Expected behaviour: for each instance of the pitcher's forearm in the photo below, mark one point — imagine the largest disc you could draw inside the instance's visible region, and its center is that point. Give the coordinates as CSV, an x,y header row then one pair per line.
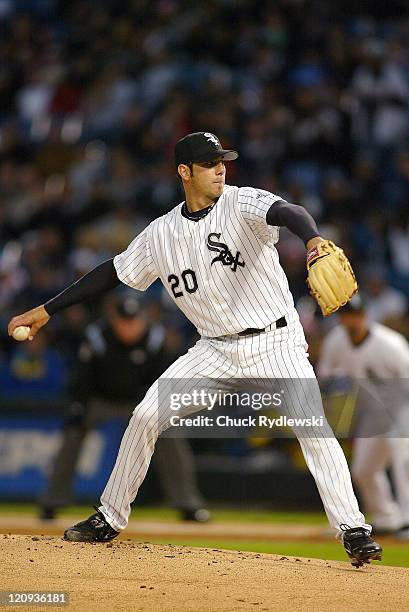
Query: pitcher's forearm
x,y
100,279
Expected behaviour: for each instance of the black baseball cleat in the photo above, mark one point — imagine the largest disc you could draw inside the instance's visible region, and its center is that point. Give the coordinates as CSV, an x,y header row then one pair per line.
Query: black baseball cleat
x,y
93,529
359,545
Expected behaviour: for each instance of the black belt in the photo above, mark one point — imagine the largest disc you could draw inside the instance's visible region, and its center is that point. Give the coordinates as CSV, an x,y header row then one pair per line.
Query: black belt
x,y
253,330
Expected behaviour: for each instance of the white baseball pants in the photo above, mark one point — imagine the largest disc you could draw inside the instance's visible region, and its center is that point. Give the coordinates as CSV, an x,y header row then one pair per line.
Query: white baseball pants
x,y
270,355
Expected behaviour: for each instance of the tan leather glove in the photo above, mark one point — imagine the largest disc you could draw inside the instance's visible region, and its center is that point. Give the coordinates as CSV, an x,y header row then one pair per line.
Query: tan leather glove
x,y
331,279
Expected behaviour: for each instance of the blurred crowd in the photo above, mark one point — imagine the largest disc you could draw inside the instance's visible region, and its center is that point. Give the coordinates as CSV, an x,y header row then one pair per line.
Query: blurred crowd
x,y
314,96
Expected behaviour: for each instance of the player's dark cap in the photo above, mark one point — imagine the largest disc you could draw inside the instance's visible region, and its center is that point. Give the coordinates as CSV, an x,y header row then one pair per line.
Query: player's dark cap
x,y
355,304
127,306
201,147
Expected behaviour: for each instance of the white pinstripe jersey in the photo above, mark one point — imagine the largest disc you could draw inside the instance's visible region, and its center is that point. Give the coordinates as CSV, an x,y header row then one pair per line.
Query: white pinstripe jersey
x,y
222,270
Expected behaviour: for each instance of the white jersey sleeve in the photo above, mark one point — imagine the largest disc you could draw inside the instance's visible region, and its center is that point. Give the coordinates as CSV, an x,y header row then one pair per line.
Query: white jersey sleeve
x,y
135,266
254,205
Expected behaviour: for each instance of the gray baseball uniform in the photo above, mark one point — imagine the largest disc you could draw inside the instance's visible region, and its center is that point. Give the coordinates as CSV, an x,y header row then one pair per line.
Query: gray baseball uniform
x,y
380,362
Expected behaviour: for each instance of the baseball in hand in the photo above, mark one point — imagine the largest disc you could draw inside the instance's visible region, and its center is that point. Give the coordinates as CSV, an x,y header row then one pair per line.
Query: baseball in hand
x,y
21,333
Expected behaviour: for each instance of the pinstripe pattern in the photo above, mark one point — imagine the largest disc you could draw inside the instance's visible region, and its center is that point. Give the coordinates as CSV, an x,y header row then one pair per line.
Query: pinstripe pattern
x,y
225,302
276,354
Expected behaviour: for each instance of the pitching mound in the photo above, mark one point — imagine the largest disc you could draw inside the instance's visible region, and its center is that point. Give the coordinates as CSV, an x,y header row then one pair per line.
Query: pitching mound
x,y
125,576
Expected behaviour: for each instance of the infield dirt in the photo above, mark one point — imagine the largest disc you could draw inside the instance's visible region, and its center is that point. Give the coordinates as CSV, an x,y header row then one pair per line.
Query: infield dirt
x,y
130,576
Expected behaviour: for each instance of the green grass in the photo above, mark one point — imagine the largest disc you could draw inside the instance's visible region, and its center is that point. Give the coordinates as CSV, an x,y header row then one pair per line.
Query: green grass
x,y
166,514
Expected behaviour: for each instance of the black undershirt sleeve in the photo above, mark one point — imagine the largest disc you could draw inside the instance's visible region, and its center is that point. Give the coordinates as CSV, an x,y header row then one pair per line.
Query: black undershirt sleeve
x,y
294,217
100,279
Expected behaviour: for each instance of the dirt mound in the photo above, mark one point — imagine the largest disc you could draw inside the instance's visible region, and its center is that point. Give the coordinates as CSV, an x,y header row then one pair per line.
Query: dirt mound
x,y
125,576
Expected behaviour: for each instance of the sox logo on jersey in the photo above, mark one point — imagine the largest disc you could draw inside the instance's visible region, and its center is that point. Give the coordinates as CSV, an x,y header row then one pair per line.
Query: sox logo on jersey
x,y
225,255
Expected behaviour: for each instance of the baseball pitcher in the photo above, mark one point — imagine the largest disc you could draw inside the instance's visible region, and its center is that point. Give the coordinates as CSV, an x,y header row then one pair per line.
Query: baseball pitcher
x,y
215,254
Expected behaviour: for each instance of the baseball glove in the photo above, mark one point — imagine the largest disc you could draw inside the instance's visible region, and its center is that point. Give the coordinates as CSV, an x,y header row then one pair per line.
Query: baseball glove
x,y
330,277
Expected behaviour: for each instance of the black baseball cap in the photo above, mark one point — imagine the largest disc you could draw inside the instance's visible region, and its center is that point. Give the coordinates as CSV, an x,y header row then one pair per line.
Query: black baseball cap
x,y
355,304
127,306
201,147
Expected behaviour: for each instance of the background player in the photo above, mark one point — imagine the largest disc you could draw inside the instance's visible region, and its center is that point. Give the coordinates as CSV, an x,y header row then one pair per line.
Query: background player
x,y
215,254
119,358
371,353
